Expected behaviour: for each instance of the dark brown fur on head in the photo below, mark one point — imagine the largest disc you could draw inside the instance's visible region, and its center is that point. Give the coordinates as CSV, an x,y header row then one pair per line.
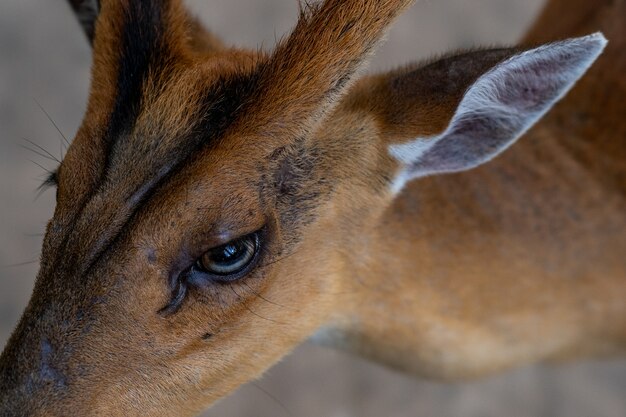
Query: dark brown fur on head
x,y
187,146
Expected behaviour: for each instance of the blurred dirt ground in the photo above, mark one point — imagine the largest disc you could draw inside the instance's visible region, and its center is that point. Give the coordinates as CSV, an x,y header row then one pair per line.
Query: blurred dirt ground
x,y
44,57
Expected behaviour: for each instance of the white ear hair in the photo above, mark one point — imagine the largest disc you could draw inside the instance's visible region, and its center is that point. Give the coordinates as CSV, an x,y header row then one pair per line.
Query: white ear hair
x,y
499,108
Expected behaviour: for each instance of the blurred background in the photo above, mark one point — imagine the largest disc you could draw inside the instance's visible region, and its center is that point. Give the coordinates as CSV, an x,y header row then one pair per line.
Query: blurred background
x,y
44,58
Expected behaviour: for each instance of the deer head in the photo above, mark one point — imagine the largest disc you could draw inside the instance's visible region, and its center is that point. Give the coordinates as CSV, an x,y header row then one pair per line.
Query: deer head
x,y
210,206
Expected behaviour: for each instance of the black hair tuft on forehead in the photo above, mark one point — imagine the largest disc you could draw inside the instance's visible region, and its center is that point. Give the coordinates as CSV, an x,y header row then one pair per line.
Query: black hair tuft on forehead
x,y
143,49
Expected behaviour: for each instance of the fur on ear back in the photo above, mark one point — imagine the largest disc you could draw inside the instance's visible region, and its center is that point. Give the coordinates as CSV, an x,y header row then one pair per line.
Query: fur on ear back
x,y
498,108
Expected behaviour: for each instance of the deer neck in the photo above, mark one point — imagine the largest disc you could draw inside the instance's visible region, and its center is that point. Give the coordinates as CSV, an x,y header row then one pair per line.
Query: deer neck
x,y
477,268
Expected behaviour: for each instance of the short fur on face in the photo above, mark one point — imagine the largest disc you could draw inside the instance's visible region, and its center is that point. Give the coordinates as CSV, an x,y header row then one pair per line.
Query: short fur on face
x,y
188,145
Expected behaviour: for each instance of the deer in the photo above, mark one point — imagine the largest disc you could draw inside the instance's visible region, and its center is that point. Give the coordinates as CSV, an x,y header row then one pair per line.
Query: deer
x,y
218,206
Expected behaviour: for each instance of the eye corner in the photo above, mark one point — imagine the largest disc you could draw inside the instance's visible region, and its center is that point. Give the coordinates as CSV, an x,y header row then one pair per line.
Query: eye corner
x,y
178,296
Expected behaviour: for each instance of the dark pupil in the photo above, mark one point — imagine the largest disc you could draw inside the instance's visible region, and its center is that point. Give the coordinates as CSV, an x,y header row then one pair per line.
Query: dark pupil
x,y
229,254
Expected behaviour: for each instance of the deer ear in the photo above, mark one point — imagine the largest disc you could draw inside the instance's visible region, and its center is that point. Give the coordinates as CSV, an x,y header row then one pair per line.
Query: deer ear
x,y
500,106
87,12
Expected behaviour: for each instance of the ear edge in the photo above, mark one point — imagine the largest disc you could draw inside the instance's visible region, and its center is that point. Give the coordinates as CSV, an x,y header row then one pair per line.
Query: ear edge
x,y
409,154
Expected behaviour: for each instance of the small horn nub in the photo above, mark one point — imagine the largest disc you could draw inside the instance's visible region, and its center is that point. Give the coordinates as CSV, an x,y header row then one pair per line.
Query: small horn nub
x,y
310,70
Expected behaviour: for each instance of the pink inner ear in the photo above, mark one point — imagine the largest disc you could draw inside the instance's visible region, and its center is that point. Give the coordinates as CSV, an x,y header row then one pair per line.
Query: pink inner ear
x,y
500,107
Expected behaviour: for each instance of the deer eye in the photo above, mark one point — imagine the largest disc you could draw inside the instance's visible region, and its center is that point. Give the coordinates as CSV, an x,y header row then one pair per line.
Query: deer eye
x,y
230,261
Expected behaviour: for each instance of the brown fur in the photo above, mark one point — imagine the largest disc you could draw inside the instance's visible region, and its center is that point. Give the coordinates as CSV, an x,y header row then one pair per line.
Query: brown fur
x,y
461,275
518,261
